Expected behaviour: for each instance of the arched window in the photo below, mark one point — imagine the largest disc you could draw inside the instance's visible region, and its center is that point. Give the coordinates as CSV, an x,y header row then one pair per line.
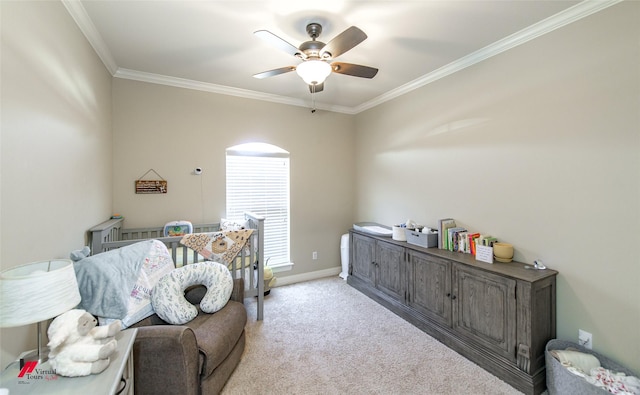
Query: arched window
x,y
258,181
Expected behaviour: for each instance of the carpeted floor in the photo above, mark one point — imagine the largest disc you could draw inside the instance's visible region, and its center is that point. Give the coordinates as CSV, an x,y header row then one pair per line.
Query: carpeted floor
x,y
325,337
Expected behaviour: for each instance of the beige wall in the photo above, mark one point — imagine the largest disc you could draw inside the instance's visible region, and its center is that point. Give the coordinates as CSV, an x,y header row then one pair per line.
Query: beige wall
x,y
56,142
539,146
175,130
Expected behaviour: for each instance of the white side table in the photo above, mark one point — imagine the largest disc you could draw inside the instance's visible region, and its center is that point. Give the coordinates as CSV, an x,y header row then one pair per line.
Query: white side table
x,y
42,380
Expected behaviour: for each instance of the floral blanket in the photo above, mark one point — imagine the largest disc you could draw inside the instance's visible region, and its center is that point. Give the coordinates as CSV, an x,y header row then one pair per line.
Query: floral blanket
x,y
218,246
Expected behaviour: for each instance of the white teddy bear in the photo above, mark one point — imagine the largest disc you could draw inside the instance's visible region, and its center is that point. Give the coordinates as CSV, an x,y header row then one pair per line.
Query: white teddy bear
x,y
77,347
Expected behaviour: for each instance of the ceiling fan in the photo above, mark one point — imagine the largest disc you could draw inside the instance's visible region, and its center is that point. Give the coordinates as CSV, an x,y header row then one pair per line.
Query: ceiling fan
x,y
317,56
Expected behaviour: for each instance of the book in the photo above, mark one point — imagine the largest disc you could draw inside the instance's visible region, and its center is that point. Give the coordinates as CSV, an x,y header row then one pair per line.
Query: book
x,y
473,239
462,242
447,237
451,240
443,225
489,240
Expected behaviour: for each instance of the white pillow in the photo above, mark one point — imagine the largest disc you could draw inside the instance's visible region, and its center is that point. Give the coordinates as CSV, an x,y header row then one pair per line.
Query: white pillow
x,y
168,295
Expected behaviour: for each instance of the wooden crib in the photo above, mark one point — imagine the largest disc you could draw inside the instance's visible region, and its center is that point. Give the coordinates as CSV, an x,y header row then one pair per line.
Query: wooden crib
x,y
111,234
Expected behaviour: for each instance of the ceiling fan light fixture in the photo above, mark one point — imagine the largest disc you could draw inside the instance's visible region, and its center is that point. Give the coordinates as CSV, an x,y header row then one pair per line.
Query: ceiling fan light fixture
x,y
314,72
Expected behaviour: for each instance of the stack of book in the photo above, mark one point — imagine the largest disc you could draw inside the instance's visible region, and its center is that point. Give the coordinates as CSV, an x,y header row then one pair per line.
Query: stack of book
x,y
458,239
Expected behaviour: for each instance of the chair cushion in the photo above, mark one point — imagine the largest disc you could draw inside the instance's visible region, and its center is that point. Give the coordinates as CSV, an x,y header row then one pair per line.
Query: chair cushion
x,y
168,298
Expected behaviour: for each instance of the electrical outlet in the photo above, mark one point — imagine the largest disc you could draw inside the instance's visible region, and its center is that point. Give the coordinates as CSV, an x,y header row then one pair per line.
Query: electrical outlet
x,y
585,339
314,255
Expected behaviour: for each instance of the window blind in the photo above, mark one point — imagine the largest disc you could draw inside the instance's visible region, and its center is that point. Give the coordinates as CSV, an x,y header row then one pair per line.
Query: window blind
x,y
260,183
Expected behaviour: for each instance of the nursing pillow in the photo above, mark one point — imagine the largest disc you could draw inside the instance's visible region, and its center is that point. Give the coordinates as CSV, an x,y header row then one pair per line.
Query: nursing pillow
x,y
168,298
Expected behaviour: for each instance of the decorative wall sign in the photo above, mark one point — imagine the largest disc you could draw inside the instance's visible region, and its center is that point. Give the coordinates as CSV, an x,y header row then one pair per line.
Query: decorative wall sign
x,y
151,186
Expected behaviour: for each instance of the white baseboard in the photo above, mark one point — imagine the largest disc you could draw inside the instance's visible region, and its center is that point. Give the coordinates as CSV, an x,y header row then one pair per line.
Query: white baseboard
x,y
298,278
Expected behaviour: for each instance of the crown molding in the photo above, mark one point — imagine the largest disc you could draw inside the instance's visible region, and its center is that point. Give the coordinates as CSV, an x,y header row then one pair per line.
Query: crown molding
x,y
221,89
563,18
80,16
536,30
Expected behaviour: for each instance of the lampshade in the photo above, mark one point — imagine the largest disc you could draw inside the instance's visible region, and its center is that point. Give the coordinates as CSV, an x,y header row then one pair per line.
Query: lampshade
x,y
314,72
37,292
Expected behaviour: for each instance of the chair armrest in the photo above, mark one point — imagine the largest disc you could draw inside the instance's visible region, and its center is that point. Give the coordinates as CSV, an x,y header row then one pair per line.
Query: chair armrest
x,y
238,290
166,360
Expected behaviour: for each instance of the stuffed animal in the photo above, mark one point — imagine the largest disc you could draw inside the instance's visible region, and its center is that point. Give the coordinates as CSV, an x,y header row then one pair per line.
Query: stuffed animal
x,y
77,347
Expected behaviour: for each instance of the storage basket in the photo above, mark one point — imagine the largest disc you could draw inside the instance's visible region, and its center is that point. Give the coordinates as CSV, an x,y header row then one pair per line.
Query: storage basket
x,y
562,382
418,238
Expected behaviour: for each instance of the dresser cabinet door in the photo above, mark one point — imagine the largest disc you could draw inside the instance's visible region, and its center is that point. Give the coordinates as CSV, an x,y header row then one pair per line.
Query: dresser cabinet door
x,y
363,258
430,287
484,309
390,264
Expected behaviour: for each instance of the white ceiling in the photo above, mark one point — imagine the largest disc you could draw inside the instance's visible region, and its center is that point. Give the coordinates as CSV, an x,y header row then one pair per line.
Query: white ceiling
x,y
209,45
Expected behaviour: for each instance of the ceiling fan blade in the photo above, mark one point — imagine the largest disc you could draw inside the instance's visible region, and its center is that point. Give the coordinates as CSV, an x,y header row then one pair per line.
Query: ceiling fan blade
x,y
316,88
274,72
355,70
343,42
279,43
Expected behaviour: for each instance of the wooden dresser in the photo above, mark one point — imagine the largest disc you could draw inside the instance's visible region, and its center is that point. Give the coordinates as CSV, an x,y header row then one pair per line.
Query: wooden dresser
x,y
498,315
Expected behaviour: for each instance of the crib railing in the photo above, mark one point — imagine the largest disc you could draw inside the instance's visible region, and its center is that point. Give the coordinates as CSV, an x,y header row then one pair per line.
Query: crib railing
x,y
157,232
111,234
106,232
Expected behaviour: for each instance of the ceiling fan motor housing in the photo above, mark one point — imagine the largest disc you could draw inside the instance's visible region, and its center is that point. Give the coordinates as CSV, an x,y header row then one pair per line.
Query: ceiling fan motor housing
x,y
313,47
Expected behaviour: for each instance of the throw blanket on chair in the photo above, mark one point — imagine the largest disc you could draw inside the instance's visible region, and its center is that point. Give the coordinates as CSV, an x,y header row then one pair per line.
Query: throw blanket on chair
x,y
218,246
117,284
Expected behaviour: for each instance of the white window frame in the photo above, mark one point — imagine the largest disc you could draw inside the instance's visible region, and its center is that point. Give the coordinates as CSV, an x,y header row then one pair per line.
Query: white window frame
x,y
252,171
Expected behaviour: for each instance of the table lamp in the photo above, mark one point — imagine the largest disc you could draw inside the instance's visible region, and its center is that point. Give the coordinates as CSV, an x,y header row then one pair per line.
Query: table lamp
x,y
36,292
